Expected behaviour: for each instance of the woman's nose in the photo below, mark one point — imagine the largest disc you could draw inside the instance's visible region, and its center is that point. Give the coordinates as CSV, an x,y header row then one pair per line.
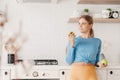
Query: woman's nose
x,y
80,25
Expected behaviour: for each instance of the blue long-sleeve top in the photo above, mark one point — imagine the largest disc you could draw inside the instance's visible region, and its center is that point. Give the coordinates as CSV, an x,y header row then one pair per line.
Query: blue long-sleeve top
x,y
85,50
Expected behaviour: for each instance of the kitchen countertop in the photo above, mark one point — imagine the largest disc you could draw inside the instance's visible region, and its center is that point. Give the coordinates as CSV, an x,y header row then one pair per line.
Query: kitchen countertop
x,y
56,66
28,63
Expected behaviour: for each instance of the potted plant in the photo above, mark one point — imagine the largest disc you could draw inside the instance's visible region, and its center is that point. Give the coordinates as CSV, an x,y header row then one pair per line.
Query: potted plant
x,y
109,9
110,12
86,11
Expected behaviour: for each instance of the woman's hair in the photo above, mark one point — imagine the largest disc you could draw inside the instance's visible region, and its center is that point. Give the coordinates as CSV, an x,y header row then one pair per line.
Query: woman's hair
x,y
89,19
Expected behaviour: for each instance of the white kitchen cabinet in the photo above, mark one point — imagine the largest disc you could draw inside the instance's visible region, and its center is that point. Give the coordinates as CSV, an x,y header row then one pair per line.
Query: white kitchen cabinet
x,y
65,74
102,74
37,74
113,74
5,74
56,73
44,74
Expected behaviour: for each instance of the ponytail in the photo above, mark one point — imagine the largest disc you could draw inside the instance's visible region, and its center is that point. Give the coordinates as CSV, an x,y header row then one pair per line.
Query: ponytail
x,y
91,32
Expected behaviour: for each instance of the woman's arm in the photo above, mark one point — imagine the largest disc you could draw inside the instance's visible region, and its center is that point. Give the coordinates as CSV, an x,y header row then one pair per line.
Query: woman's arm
x,y
98,54
70,54
70,49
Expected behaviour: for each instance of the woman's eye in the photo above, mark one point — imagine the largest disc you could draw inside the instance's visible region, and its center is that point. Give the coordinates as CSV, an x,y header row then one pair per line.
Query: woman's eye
x,y
83,23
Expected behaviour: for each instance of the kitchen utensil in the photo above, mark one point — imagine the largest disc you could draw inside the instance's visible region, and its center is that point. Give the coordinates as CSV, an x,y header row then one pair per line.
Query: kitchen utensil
x,y
114,14
105,14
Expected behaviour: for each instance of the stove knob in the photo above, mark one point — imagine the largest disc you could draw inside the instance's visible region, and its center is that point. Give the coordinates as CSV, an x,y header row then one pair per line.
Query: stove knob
x,y
43,74
35,74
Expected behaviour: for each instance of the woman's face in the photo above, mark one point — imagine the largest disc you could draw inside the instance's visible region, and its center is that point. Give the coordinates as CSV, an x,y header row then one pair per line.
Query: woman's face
x,y
84,26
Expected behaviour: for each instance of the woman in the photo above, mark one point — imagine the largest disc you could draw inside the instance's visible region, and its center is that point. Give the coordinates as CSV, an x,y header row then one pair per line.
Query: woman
x,y
83,51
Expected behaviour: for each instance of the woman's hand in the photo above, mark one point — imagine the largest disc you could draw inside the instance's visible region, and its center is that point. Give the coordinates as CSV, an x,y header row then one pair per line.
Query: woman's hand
x,y
101,64
71,37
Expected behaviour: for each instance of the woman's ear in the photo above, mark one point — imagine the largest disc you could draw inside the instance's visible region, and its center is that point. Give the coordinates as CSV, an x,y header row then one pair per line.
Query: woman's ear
x,y
91,25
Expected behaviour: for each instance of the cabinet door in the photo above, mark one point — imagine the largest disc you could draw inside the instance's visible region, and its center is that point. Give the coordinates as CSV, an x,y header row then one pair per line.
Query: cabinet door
x,y
113,74
102,74
68,75
64,74
5,74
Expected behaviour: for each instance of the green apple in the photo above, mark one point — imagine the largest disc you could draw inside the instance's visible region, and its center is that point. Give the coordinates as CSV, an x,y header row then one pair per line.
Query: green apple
x,y
104,62
72,33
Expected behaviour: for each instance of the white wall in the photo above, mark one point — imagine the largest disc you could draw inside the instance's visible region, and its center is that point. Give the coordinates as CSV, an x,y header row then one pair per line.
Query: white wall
x,y
47,27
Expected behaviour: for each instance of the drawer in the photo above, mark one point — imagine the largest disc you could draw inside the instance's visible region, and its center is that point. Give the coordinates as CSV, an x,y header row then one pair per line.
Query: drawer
x,y
101,74
40,74
113,74
64,74
5,74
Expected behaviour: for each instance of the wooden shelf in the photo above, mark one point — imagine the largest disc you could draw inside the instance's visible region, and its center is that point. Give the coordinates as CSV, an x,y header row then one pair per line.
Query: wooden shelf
x,y
97,20
99,2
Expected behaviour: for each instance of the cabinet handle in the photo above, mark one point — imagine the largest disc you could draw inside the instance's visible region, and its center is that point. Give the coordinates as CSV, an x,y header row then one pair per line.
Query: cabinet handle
x,y
63,72
6,73
111,72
